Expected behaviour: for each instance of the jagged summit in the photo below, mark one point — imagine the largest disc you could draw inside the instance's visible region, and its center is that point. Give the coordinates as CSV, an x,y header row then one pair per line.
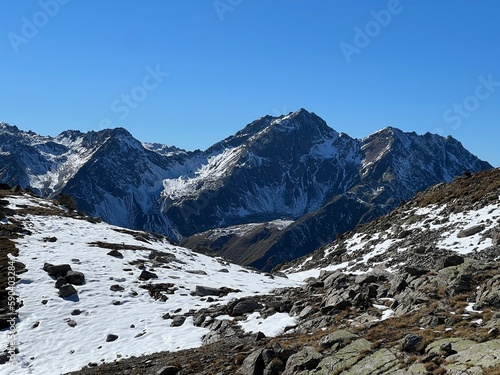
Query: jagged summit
x,y
292,167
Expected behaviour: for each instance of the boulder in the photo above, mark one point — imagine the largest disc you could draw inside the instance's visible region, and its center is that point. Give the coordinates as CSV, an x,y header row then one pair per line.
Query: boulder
x,y
203,291
245,306
146,275
336,338
75,278
306,359
344,358
450,261
115,253
111,337
412,343
470,231
67,290
167,370
56,270
116,288
253,364
383,361
178,321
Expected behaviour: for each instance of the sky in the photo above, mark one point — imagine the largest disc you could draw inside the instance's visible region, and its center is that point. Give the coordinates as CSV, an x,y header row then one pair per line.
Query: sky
x,y
190,73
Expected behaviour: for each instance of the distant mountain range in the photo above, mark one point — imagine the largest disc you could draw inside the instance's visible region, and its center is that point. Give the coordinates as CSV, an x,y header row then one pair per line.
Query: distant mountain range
x,y
276,190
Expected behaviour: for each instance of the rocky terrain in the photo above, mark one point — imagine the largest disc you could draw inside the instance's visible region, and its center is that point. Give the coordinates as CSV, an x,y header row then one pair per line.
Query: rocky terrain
x,y
413,292
292,168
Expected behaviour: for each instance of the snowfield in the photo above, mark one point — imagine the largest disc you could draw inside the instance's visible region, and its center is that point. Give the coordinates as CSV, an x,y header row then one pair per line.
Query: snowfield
x,y
47,338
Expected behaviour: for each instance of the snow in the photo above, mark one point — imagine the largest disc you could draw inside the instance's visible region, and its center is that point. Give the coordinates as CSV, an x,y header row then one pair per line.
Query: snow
x,y
271,326
53,347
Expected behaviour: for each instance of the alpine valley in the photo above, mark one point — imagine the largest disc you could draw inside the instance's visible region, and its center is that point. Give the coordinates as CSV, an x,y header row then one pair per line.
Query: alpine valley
x,y
278,189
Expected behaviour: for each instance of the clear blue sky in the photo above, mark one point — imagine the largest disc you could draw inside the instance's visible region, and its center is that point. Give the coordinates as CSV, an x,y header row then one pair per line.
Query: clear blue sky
x,y
417,65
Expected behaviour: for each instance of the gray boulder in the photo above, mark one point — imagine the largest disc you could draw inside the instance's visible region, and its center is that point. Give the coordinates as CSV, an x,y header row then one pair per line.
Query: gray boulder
x,y
75,278
67,290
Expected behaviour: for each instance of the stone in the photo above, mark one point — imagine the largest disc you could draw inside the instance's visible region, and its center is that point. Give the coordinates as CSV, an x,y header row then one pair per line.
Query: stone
x,y
306,359
203,291
67,290
383,361
75,278
484,354
245,306
253,364
412,343
115,253
146,275
116,288
415,271
178,321
344,358
50,239
60,282
56,270
450,261
111,337
470,231
336,337
167,370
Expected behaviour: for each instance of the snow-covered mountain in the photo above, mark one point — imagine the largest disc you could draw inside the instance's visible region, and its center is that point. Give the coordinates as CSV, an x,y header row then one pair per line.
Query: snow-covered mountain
x,y
291,168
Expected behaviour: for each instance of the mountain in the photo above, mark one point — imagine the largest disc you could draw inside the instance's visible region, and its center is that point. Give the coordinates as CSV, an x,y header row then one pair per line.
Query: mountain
x,y
292,168
415,291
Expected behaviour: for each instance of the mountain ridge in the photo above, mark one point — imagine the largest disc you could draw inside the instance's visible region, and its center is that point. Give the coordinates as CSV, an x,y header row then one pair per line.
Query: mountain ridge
x,y
290,167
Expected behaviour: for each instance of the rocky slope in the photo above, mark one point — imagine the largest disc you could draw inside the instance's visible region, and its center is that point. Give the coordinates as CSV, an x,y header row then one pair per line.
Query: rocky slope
x,y
288,168
413,292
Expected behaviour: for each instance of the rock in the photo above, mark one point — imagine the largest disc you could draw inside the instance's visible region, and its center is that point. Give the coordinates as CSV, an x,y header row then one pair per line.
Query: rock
x,y
56,270
456,344
223,270
307,359
167,370
383,361
67,290
412,343
146,275
253,364
161,257
416,271
450,261
71,323
116,288
111,337
178,321
115,253
336,337
50,239
197,272
203,291
76,312
60,282
344,358
75,278
245,306
470,231
484,354
337,300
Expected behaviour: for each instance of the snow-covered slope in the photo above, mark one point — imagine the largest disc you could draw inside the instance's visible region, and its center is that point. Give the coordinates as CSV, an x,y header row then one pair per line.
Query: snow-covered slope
x,y
56,335
461,217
